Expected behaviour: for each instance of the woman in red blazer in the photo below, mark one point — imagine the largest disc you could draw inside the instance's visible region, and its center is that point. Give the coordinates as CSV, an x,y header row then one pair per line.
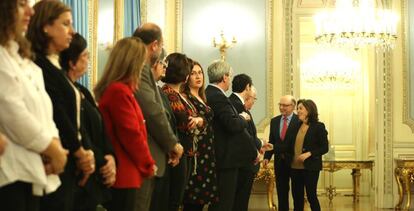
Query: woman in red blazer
x,y
124,121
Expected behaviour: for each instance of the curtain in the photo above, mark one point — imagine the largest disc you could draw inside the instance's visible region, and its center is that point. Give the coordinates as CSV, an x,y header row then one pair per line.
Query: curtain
x,y
80,23
132,16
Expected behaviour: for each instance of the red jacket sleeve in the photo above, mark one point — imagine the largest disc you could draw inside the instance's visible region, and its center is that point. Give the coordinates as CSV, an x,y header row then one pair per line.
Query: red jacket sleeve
x,y
129,126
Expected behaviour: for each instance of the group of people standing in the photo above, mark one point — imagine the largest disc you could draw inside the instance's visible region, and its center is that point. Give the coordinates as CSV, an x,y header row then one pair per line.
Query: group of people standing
x,y
299,142
131,144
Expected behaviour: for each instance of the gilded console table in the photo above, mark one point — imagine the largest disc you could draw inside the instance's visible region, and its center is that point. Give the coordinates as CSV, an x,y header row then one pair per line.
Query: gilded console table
x,y
404,174
267,175
355,166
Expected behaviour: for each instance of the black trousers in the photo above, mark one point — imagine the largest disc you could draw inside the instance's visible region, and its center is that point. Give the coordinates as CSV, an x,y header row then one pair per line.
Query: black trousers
x,y
18,197
305,179
231,186
244,188
63,198
282,172
193,207
123,199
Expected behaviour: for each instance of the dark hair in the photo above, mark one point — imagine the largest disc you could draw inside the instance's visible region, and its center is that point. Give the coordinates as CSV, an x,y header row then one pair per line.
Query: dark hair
x,y
71,54
186,87
310,106
240,82
8,27
148,33
178,68
46,12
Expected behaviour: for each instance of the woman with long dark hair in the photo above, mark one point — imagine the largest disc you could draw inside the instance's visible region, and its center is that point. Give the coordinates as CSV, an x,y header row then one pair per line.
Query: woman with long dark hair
x,y
201,188
310,144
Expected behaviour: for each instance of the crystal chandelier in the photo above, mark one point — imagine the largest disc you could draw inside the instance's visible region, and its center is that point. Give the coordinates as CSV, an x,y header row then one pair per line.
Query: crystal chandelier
x,y
330,69
356,23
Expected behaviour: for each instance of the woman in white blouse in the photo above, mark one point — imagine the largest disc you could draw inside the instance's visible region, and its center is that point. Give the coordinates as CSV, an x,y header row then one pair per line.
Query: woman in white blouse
x,y
25,118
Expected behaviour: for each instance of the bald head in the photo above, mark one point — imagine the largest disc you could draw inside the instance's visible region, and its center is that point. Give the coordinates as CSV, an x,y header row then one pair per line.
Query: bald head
x,y
251,98
149,32
287,105
151,35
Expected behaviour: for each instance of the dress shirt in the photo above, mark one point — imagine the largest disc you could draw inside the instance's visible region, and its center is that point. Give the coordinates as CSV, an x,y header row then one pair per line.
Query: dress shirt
x,y
281,122
26,118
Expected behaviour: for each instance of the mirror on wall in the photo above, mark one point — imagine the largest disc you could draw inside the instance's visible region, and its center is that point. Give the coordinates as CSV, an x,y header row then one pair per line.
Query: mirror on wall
x,y
105,33
408,63
247,24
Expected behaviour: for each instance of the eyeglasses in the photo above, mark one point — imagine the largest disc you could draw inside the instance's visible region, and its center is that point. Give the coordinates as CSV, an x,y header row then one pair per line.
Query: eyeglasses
x,y
284,105
163,63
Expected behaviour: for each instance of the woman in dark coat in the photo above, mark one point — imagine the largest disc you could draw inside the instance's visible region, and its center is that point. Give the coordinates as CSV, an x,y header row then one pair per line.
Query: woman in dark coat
x,y
310,144
50,32
74,61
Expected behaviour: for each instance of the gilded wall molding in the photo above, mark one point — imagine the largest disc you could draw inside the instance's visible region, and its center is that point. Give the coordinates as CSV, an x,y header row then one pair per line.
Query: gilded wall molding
x,y
119,20
288,66
269,67
178,30
93,41
407,119
388,131
143,11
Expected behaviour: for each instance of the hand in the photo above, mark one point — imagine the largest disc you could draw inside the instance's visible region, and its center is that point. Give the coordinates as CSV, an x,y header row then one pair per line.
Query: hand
x,y
86,163
55,157
195,122
173,160
245,116
266,147
302,157
108,171
85,160
259,158
3,143
265,162
178,150
154,170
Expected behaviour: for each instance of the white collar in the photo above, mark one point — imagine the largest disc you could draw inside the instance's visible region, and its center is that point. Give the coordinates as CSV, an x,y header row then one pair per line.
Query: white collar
x,y
218,88
239,96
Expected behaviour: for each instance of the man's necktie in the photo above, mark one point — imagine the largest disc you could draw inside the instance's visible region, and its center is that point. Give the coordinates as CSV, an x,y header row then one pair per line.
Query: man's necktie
x,y
284,128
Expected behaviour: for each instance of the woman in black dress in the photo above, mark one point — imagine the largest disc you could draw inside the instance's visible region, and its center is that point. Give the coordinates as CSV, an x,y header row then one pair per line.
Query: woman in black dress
x,y
201,188
74,61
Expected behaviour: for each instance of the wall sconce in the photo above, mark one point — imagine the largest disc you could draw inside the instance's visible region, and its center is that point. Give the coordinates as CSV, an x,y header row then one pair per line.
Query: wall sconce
x,y
223,45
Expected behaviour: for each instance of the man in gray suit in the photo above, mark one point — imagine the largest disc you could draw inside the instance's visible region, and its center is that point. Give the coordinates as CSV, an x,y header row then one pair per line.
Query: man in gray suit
x,y
161,139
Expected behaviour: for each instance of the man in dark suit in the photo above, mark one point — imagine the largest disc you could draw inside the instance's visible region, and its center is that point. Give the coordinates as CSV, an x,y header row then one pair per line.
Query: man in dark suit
x,y
233,144
161,139
282,134
241,86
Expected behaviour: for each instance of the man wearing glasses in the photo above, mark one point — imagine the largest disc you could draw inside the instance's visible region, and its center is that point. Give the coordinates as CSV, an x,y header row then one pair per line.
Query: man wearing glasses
x,y
282,134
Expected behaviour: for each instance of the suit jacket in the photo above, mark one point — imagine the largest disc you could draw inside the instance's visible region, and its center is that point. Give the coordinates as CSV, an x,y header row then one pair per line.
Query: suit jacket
x,y
316,142
125,126
233,144
238,105
64,102
282,149
161,138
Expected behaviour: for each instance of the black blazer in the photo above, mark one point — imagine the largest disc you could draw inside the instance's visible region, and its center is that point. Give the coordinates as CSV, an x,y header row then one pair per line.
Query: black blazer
x,y
233,144
316,142
93,130
63,100
282,148
238,105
